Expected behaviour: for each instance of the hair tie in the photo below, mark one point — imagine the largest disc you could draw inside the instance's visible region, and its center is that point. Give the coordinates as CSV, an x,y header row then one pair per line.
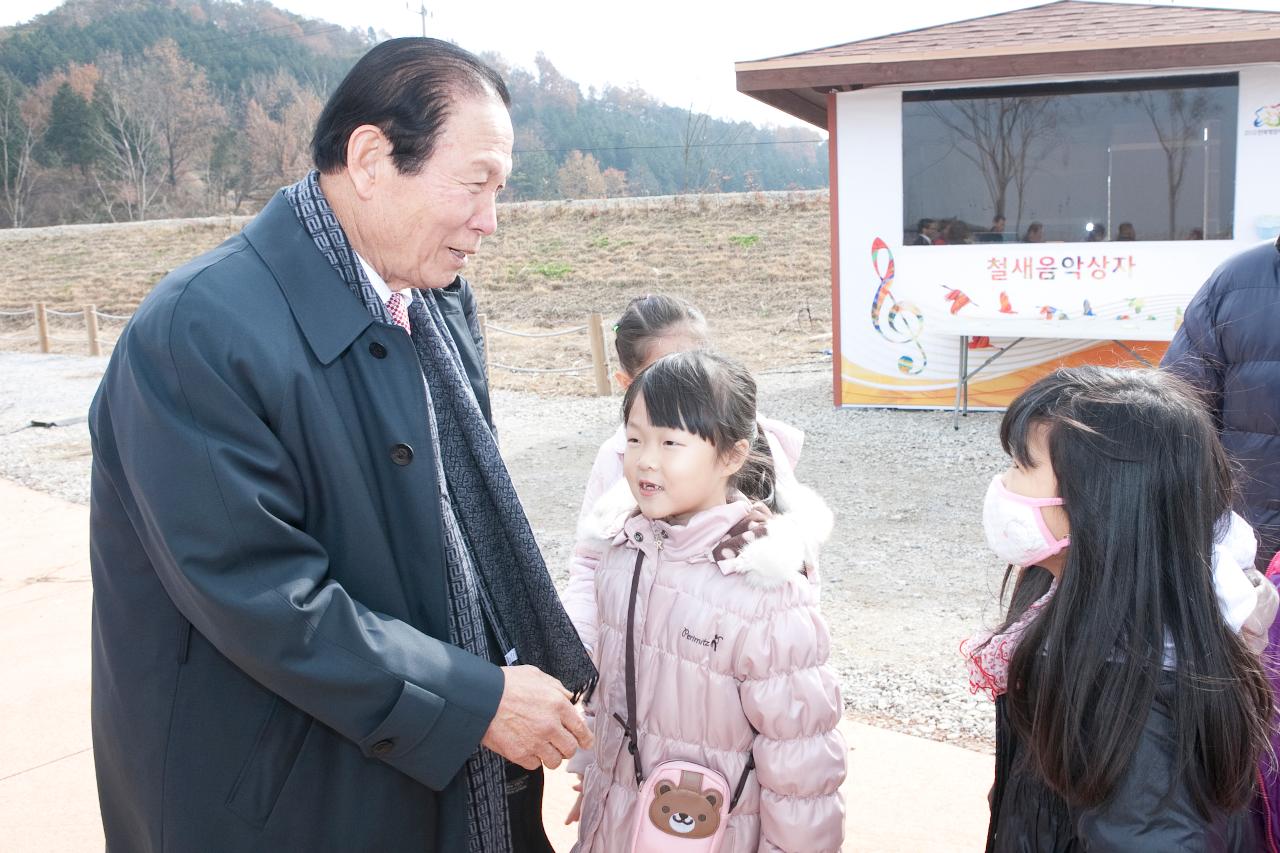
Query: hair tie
x,y
615,326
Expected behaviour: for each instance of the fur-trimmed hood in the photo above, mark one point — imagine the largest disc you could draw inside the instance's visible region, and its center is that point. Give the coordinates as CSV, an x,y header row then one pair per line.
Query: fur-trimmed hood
x,y
766,548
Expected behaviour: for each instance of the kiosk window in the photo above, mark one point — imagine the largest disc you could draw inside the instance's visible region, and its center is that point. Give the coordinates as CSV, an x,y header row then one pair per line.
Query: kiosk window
x,y
1150,159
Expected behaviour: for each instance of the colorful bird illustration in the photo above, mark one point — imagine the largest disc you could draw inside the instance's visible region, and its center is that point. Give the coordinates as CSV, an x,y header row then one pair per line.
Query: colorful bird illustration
x,y
1088,309
1048,311
1005,306
957,299
1135,304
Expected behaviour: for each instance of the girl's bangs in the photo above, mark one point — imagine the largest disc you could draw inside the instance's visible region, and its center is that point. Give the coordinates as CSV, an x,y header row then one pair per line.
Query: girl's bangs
x,y
674,399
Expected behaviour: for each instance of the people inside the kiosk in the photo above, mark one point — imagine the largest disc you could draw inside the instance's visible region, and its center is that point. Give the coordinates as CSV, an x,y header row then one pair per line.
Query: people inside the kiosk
x,y
1095,232
954,233
926,231
1035,233
996,232
1126,232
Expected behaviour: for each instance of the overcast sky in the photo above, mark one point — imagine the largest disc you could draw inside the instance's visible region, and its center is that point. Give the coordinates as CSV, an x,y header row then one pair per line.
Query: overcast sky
x,y
681,51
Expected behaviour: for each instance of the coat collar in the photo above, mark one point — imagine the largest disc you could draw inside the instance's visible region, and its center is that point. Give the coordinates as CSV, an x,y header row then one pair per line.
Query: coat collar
x,y
329,316
777,549
692,541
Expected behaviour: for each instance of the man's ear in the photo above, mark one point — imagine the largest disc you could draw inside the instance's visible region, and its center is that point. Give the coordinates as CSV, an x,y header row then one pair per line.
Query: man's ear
x,y
368,149
622,378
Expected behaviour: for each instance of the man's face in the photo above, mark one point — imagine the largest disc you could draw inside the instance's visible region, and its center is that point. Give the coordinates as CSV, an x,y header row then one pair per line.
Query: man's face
x,y
421,228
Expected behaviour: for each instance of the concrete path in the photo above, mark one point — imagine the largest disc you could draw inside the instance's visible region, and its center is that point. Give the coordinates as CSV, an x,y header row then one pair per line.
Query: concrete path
x,y
903,793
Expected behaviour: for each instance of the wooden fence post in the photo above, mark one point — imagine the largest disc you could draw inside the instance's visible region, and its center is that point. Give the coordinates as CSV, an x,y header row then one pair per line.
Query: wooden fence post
x,y
91,325
483,321
42,327
599,358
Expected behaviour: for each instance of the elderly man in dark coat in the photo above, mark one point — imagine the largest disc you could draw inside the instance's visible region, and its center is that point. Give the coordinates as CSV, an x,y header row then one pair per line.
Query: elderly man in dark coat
x,y
1229,346
320,618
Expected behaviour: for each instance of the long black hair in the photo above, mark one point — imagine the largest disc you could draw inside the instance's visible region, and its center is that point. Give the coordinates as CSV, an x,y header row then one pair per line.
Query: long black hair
x,y
1145,483
714,398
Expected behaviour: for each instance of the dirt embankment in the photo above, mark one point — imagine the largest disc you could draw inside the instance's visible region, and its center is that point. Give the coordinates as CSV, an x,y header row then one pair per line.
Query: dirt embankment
x,y
757,264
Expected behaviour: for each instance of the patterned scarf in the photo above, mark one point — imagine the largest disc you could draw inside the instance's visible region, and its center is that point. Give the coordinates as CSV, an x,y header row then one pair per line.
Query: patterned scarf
x,y
988,654
496,575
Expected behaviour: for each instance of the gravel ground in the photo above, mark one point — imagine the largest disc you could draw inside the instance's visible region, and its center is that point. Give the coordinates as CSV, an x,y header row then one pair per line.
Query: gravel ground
x,y
906,574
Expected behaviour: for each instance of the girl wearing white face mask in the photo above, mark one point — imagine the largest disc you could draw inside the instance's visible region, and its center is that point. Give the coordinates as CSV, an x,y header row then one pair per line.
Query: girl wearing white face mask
x,y
1130,713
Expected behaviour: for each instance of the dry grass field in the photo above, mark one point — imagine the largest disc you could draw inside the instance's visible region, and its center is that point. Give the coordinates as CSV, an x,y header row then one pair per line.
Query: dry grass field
x,y
757,264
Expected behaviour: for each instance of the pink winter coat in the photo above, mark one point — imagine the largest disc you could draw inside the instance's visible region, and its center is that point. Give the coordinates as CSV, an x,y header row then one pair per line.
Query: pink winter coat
x,y
579,596
731,658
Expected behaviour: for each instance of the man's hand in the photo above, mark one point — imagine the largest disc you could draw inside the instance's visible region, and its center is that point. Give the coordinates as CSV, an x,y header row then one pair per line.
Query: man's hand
x,y
535,724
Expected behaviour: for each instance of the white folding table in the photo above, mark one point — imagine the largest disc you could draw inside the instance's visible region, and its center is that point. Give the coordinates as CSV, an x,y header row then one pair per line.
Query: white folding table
x,y
1085,328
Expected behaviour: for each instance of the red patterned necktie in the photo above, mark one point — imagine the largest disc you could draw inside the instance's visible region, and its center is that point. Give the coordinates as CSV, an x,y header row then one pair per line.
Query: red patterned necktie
x,y
398,311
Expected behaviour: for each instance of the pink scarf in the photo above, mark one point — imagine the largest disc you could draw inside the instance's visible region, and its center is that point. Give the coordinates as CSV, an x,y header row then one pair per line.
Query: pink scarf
x,y
988,654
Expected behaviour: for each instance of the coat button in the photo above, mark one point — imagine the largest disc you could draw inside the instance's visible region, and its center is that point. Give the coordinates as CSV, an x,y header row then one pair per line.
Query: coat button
x,y
377,350
382,747
401,454
639,536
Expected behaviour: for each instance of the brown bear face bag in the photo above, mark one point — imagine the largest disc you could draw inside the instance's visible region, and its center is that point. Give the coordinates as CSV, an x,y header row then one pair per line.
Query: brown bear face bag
x,y
685,810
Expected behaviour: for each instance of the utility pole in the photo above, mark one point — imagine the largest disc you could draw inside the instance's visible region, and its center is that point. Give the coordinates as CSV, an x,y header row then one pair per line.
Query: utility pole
x,y
421,10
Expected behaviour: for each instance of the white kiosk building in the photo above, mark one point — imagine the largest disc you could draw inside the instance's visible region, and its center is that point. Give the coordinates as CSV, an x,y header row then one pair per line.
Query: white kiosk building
x,y
1041,187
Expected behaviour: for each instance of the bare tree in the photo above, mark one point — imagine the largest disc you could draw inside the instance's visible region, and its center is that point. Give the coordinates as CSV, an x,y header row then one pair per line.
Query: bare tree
x,y
18,135
1008,138
278,118
189,113
1176,117
130,139
580,177
702,157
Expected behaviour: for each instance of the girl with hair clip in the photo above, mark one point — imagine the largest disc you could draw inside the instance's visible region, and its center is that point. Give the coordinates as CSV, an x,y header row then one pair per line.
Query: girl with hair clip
x,y
650,327
715,714
1130,711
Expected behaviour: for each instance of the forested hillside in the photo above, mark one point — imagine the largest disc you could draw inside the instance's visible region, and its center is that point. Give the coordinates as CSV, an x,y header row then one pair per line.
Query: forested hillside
x,y
137,109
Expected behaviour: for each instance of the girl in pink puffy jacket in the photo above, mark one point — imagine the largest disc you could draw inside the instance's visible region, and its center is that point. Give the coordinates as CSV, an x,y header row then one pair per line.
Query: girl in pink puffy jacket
x,y
650,327
707,568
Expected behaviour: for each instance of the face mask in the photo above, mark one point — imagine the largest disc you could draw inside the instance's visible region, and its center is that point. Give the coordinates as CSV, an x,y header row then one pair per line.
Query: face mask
x,y
1015,527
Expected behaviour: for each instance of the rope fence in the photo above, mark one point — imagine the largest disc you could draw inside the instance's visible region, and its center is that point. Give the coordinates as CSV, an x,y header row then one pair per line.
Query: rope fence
x,y
578,369
594,327
516,334
38,330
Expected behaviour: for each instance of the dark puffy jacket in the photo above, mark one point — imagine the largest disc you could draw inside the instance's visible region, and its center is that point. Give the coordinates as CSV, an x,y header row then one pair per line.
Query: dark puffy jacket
x,y
1229,345
1146,813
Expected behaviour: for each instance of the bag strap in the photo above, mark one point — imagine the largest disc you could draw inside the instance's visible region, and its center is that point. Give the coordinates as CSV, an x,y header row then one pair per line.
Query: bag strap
x,y
742,780
629,724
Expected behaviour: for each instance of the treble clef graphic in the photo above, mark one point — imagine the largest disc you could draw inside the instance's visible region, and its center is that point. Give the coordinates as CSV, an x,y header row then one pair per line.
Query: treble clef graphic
x,y
904,323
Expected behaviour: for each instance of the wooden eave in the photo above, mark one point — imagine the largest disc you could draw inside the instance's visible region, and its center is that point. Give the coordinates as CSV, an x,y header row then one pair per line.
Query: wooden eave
x,y
798,85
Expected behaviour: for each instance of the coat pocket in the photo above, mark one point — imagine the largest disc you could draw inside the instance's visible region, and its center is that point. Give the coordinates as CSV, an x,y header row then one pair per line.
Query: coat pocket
x,y
267,767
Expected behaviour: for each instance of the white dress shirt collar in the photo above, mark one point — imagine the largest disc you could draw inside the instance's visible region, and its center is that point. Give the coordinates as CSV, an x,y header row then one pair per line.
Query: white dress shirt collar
x,y
379,285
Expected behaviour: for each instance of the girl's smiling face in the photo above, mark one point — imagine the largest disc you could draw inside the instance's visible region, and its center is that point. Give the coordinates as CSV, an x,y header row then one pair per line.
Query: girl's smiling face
x,y
673,474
